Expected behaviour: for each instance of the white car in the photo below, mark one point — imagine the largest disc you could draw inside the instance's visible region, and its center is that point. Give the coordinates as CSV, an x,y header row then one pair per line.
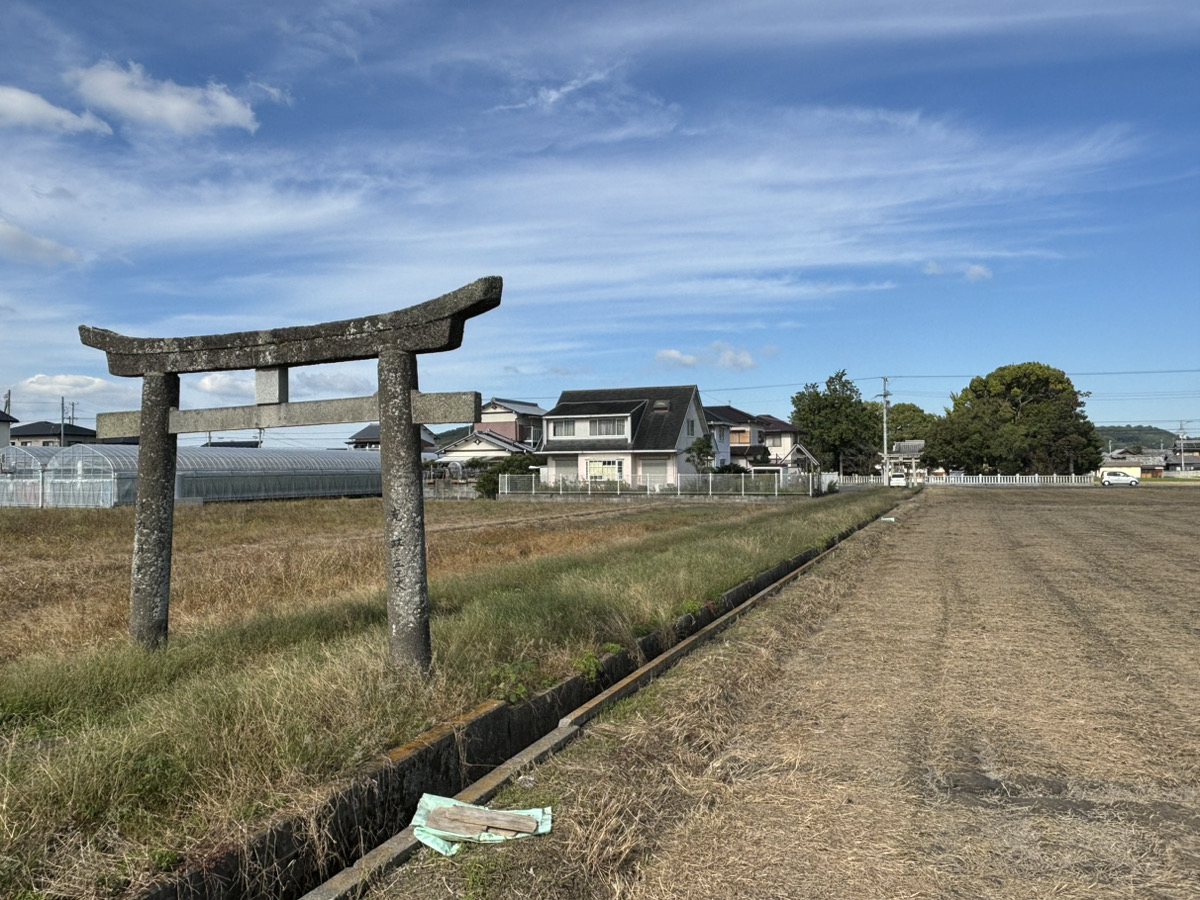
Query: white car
x,y
1108,479
897,479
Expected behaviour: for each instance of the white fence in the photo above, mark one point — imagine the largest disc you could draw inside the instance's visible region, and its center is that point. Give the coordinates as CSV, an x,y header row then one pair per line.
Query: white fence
x,y
983,480
772,484
1088,480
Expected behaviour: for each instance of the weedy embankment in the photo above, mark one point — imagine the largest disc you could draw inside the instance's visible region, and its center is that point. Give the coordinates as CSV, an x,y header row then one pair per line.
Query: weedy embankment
x,y
117,764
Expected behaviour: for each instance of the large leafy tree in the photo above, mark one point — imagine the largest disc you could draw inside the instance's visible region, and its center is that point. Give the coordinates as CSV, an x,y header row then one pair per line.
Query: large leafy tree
x,y
1020,419
837,426
908,422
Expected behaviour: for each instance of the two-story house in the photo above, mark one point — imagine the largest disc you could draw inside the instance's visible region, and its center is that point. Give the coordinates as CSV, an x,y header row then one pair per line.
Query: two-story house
x,y
747,445
782,440
637,436
516,420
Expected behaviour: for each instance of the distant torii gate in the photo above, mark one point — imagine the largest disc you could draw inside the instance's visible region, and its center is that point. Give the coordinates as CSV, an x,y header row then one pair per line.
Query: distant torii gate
x,y
393,338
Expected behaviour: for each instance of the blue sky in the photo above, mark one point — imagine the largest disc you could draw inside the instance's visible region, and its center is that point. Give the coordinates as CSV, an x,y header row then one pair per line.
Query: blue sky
x,y
748,197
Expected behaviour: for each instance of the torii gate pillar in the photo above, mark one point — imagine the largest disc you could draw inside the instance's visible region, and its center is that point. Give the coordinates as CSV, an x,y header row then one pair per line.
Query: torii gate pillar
x,y
393,338
403,511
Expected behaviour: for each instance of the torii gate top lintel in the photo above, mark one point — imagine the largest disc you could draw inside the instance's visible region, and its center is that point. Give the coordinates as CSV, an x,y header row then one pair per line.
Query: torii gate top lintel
x,y
393,338
428,327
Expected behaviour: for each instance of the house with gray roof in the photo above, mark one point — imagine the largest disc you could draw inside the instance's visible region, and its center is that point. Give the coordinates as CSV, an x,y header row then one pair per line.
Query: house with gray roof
x,y
747,441
782,440
368,439
516,420
483,445
636,436
50,434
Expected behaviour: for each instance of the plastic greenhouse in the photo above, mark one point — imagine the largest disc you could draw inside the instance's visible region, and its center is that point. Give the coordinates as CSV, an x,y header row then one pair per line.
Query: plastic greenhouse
x,y
103,475
22,471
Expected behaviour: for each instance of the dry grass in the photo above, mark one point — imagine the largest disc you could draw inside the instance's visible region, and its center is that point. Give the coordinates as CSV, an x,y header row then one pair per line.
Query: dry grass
x,y
117,764
66,572
987,699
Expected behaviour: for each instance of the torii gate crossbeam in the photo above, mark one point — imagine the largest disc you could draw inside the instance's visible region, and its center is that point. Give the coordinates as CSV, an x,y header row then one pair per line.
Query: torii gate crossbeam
x,y
393,338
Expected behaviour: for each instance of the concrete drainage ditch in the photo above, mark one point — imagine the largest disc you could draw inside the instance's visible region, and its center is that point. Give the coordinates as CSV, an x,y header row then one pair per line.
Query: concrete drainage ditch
x,y
360,830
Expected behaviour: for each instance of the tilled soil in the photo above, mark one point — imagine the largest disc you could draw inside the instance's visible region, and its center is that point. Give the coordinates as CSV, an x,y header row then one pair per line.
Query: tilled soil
x,y
997,695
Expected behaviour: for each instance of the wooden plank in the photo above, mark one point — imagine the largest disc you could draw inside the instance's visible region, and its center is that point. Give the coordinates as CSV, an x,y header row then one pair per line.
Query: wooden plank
x,y
465,821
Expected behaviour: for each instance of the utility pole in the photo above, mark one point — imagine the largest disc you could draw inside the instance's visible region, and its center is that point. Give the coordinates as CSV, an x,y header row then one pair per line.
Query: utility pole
x,y
62,422
886,468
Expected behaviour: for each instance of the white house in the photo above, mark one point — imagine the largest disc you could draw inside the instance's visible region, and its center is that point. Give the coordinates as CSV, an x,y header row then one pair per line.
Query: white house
x,y
482,445
634,435
516,420
782,440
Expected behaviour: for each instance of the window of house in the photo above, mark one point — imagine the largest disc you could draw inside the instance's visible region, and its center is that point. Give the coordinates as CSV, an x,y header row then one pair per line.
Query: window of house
x,y
774,440
691,428
740,437
606,427
605,469
564,428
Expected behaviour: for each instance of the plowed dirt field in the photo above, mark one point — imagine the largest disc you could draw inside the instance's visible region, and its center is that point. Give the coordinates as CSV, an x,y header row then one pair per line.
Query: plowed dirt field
x,y
997,695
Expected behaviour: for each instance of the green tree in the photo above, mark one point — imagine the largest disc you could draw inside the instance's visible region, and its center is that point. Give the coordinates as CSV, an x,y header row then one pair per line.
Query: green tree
x,y
1020,419
837,427
488,481
701,453
908,422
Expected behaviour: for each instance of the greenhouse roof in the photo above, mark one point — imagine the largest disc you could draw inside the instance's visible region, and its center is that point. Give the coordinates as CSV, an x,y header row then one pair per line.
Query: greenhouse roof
x,y
124,457
40,455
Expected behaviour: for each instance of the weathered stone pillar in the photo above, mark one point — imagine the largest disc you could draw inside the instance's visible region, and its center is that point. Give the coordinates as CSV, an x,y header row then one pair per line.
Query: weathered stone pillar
x,y
150,589
403,514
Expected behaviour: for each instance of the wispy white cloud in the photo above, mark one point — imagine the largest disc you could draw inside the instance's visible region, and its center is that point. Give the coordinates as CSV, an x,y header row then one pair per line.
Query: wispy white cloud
x,y
236,387
33,397
674,359
18,245
132,95
275,94
718,355
972,272
632,198
547,97
330,381
72,385
729,357
20,108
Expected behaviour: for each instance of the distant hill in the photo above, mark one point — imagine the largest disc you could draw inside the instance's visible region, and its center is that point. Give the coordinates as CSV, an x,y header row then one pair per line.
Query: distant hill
x,y
1127,435
449,437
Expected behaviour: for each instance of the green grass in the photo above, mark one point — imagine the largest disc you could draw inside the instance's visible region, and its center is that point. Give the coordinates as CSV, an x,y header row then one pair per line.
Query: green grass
x,y
115,763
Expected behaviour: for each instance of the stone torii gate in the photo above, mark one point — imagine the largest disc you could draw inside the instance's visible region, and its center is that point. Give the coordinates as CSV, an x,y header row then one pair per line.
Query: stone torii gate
x,y
393,338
